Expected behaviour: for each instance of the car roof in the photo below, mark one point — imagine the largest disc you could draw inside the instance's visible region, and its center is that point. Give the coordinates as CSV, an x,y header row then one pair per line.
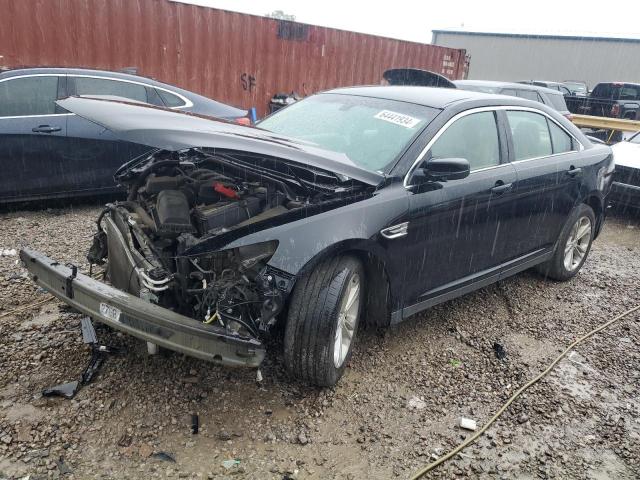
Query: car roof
x,y
619,84
221,109
434,97
550,82
70,70
499,84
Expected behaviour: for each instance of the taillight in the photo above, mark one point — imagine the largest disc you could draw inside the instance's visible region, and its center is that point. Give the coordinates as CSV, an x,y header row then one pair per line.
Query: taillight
x,y
243,121
615,110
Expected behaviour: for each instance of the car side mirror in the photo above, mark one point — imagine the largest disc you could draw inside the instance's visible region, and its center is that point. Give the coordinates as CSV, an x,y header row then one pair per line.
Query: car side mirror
x,y
442,169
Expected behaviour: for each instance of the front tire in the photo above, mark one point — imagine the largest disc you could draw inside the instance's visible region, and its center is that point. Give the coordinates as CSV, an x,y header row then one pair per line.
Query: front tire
x,y
573,247
323,319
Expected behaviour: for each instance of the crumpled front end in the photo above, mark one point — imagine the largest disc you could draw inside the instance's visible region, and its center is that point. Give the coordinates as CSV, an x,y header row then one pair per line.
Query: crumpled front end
x,y
141,318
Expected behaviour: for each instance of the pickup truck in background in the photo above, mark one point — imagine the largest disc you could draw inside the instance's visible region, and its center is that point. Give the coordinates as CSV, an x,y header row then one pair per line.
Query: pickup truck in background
x,y
611,99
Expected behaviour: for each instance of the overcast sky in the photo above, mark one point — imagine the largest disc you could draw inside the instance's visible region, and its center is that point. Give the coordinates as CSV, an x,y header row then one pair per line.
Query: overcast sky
x,y
414,19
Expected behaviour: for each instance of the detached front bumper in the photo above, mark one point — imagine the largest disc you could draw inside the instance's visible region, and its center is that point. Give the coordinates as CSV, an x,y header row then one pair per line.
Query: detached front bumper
x,y
139,318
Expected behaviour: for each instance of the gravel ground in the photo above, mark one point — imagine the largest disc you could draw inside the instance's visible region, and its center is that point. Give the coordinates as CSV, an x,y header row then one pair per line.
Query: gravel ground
x,y
395,409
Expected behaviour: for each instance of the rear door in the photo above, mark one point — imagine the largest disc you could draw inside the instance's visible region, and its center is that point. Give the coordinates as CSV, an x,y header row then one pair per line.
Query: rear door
x,y
32,136
549,171
94,153
456,229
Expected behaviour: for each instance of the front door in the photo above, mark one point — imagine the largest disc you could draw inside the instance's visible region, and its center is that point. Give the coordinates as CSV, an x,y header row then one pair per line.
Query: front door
x,y
457,228
32,137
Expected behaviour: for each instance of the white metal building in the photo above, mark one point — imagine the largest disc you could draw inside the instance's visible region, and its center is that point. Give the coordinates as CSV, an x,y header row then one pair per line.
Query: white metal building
x,y
513,56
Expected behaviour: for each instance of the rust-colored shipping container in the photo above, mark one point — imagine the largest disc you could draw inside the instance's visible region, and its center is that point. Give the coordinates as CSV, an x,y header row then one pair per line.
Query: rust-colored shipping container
x,y
236,58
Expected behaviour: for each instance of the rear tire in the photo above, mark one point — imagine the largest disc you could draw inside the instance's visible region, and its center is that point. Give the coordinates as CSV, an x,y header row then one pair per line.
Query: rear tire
x,y
323,318
573,246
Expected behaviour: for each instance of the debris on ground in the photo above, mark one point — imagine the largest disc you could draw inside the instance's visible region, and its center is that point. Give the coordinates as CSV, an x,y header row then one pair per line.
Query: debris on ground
x,y
467,424
195,423
63,468
98,356
499,350
416,403
229,464
164,456
125,440
66,390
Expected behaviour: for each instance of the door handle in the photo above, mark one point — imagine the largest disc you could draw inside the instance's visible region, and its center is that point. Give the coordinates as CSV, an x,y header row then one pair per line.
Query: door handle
x,y
573,171
501,187
45,129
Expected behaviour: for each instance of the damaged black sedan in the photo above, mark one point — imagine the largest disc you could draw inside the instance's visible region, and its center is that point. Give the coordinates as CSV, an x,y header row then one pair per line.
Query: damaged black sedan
x,y
359,205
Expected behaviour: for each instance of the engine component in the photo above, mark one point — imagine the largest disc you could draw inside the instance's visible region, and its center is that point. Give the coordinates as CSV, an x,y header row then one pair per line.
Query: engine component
x,y
207,195
223,215
172,214
156,184
225,190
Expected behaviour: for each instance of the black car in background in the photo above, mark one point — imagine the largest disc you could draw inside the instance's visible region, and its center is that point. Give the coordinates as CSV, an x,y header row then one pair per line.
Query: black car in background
x,y
48,152
363,204
548,96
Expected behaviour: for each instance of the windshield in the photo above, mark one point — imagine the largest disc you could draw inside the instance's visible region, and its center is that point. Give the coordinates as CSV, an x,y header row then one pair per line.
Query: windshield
x,y
477,88
576,87
372,132
635,138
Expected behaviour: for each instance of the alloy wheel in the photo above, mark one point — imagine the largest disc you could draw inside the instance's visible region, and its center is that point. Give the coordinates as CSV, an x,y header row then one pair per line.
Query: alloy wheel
x,y
577,244
347,318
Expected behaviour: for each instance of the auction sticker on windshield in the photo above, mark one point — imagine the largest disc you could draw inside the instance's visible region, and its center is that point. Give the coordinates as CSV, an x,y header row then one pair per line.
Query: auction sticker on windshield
x,y
112,313
397,118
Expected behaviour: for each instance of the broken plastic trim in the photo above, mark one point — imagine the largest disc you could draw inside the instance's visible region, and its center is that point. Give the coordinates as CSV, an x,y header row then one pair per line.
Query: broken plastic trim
x,y
98,356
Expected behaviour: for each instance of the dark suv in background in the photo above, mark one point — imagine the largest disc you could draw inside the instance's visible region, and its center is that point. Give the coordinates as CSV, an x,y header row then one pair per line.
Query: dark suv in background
x,y
614,99
47,152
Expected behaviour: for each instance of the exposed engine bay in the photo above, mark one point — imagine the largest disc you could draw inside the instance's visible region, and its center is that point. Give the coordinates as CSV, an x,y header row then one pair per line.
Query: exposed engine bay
x,y
195,197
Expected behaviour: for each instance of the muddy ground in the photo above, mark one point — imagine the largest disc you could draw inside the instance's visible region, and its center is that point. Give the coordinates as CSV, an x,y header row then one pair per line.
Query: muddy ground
x,y
395,410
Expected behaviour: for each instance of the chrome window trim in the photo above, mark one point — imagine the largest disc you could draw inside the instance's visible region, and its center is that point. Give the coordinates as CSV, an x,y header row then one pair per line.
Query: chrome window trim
x,y
34,75
38,116
471,111
187,103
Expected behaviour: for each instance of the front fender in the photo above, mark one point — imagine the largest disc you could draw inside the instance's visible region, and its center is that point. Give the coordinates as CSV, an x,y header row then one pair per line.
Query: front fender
x,y
302,240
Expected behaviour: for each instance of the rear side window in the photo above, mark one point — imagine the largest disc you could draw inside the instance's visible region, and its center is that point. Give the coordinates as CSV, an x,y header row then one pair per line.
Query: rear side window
x,y
103,86
602,90
530,135
529,95
561,140
169,99
558,102
509,91
474,137
28,96
629,92
616,91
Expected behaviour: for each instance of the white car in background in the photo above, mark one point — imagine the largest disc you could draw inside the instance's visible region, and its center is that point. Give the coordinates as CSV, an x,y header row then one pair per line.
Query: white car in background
x,y
625,191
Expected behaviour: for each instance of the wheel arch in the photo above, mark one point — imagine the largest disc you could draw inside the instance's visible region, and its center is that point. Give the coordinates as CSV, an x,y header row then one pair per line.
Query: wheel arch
x,y
597,204
382,294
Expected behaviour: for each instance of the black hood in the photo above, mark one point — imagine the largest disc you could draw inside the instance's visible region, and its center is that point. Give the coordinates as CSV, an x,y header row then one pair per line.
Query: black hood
x,y
172,130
